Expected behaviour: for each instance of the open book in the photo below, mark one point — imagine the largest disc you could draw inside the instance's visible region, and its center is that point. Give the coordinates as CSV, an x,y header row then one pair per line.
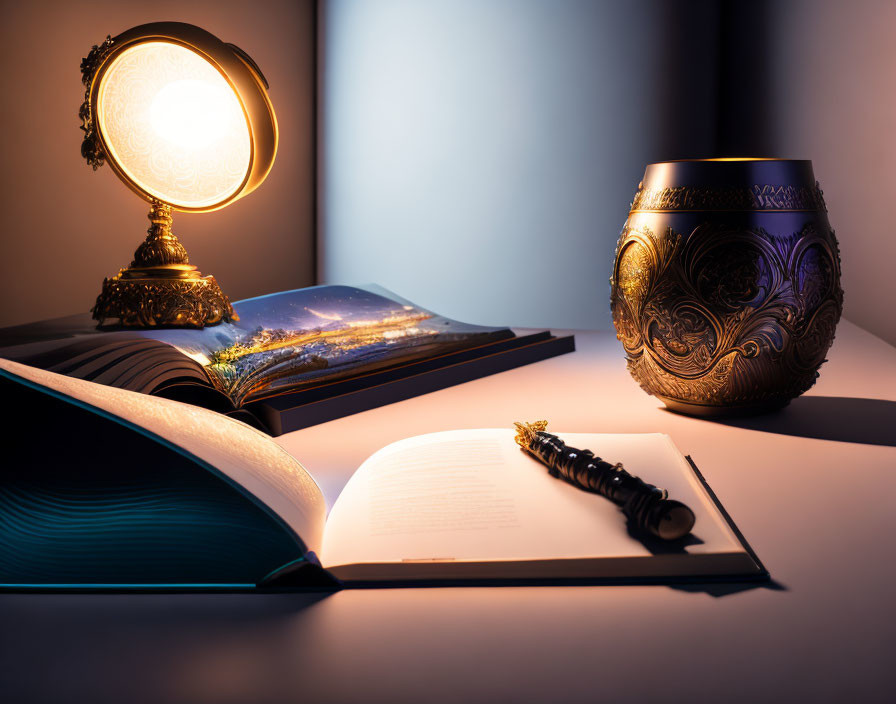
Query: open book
x,y
293,359
119,489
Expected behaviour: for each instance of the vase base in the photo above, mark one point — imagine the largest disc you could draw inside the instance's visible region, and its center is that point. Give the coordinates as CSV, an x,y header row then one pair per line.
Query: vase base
x,y
701,410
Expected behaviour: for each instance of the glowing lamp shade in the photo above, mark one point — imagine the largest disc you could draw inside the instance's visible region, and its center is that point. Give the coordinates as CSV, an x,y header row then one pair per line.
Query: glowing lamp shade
x,y
174,125
185,121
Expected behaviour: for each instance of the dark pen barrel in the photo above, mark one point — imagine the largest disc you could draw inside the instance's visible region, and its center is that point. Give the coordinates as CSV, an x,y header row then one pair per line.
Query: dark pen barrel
x,y
646,506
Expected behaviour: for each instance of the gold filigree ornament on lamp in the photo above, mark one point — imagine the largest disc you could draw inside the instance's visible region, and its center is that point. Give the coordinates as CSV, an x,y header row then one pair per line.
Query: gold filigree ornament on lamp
x,y
185,121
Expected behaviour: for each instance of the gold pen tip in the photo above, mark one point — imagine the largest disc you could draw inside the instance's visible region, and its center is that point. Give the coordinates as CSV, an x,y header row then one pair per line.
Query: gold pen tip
x,y
525,432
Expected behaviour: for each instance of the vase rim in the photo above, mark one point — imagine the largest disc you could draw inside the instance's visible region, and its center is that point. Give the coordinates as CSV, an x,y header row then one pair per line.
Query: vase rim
x,y
729,184
729,159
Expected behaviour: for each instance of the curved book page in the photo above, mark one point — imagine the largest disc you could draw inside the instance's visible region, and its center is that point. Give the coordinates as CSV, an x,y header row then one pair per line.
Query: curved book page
x,y
123,359
246,456
293,339
283,342
471,504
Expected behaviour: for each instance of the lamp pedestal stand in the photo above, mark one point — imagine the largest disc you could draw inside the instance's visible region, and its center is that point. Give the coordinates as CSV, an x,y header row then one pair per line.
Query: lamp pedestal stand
x,y
161,288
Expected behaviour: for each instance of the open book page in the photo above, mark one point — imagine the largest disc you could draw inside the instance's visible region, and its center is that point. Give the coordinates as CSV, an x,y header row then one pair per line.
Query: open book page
x,y
297,338
473,495
248,457
282,341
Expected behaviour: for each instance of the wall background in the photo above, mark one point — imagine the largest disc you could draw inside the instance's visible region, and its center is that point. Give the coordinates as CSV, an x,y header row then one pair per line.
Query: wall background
x,y
66,227
479,157
833,88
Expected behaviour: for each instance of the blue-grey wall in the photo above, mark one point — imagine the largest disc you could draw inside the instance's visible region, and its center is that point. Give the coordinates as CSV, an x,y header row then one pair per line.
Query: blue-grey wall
x,y
479,156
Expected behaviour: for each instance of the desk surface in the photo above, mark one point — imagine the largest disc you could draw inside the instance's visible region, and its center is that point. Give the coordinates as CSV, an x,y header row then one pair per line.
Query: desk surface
x,y
813,488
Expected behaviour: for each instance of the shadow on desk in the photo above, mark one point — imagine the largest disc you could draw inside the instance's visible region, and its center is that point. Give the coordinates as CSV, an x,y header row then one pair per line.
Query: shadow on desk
x,y
162,610
143,647
718,587
868,421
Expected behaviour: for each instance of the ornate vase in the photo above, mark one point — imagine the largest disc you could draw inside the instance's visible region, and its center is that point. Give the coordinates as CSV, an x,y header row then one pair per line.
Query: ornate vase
x,y
726,291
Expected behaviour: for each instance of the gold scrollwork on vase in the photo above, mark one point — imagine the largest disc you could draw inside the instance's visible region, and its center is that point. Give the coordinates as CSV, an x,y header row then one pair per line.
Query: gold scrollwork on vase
x,y
727,316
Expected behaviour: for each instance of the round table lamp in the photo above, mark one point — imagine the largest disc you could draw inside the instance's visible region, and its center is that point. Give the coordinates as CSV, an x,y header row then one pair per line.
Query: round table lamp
x,y
185,121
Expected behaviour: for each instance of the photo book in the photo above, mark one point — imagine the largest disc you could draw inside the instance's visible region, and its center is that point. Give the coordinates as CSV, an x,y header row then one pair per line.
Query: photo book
x,y
293,359
105,488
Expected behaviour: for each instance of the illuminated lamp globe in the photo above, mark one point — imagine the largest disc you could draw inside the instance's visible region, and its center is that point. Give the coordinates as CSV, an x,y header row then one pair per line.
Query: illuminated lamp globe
x,y
185,121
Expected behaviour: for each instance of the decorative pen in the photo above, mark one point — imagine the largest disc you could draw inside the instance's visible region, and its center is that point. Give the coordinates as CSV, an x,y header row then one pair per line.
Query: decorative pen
x,y
647,507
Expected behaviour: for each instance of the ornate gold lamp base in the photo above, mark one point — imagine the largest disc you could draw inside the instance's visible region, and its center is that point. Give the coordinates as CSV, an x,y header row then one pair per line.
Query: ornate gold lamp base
x,y
161,288
162,297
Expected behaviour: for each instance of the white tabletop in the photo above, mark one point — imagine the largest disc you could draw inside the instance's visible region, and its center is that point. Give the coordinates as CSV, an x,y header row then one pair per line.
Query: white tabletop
x,y
813,488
